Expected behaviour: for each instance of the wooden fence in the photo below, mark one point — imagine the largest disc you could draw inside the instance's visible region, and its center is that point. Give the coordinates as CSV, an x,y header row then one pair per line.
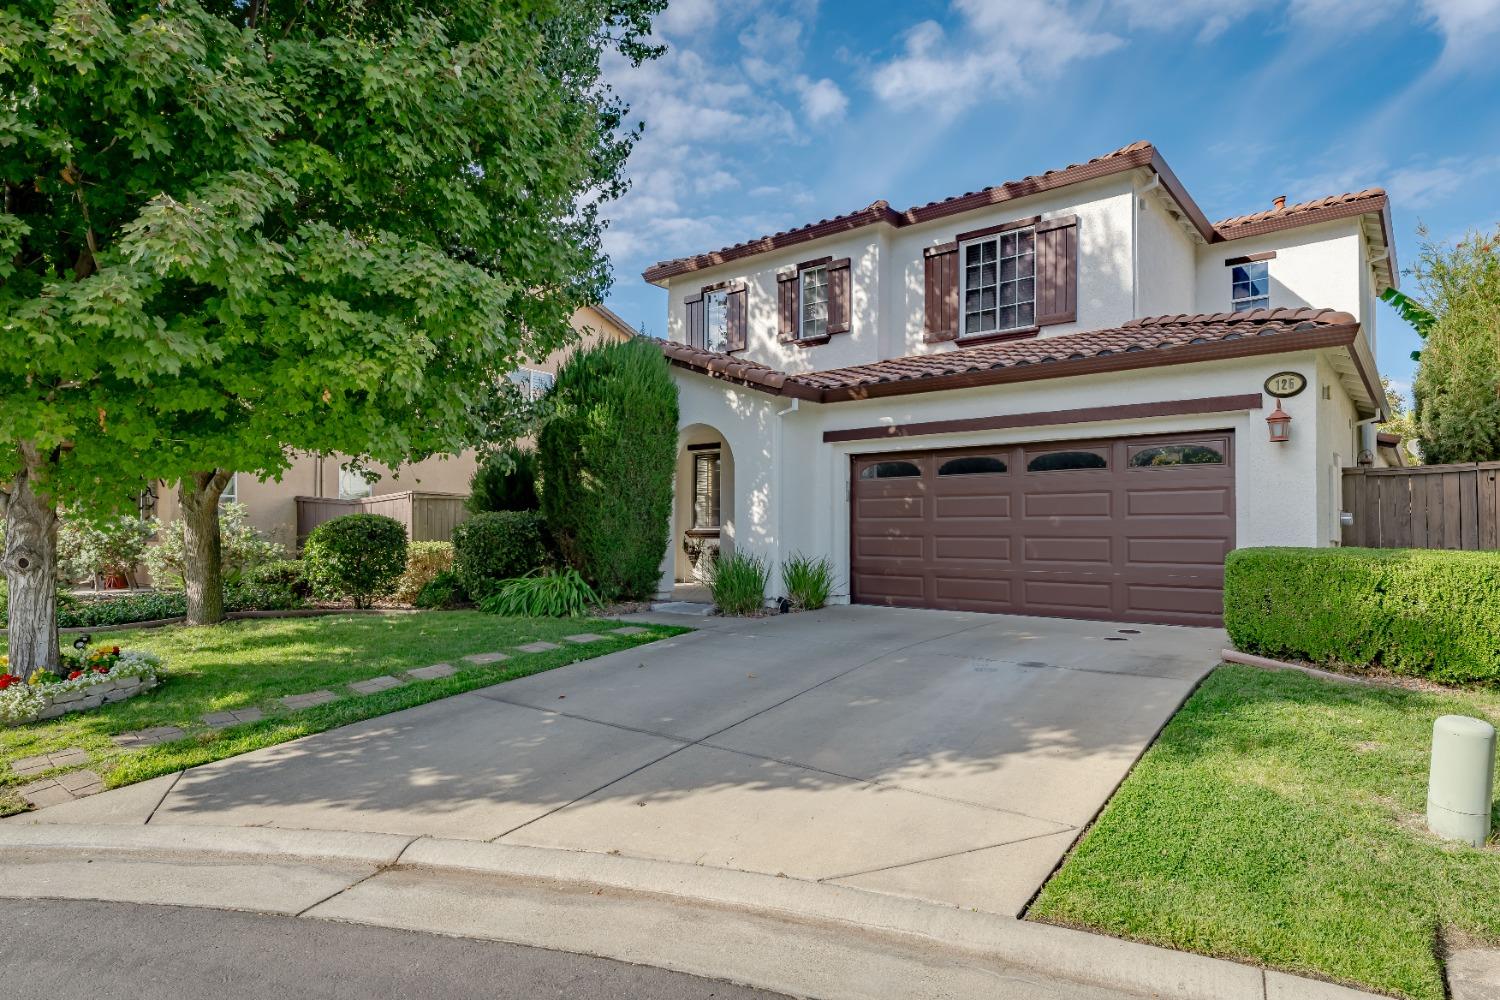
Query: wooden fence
x,y
428,517
1427,507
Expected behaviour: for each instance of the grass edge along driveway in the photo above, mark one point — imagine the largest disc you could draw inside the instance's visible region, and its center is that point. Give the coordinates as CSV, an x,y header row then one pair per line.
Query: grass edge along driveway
x,y
1279,819
253,663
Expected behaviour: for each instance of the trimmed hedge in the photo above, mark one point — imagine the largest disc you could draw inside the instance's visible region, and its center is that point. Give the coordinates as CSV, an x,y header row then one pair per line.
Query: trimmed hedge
x,y
359,556
424,560
1427,613
607,456
496,546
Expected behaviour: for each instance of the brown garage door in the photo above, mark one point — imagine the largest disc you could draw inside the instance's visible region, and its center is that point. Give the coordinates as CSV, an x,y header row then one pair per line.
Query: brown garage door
x,y
1126,529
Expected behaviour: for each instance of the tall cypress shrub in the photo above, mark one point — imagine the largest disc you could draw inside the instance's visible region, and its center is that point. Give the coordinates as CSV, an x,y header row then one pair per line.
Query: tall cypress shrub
x,y
606,458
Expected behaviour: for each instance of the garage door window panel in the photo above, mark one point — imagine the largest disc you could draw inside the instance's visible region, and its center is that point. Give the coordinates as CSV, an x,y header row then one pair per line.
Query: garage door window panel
x,y
972,465
1066,461
1159,456
890,470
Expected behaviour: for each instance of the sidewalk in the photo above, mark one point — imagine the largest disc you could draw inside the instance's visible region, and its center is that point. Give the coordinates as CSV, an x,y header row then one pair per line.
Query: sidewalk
x,y
784,934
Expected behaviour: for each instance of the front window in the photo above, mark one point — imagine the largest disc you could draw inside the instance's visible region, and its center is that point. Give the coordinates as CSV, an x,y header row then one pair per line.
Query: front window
x,y
814,303
533,382
1251,286
706,469
353,485
716,320
1000,283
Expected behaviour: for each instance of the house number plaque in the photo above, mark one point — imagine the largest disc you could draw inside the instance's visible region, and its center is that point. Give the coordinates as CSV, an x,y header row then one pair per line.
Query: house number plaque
x,y
1285,384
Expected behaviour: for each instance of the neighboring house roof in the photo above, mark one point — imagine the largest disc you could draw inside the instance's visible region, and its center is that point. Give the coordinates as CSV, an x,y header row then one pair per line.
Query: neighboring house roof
x,y
1141,343
1135,156
621,328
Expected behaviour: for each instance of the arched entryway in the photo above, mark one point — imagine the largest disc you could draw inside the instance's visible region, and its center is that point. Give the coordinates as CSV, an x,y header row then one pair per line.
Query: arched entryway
x,y
703,516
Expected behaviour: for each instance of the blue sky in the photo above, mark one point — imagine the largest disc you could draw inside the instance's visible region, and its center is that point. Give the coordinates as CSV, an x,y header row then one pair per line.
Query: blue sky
x,y
767,114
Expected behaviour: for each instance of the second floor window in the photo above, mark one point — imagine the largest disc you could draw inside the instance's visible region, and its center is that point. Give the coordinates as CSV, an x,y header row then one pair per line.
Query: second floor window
x,y
533,382
999,283
716,320
353,485
1251,286
814,321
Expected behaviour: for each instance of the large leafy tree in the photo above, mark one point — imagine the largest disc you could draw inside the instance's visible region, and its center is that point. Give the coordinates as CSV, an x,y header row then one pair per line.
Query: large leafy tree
x,y
1457,387
233,229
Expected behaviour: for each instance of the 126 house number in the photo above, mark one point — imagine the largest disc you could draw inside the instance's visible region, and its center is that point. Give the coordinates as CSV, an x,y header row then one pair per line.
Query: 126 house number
x,y
1284,384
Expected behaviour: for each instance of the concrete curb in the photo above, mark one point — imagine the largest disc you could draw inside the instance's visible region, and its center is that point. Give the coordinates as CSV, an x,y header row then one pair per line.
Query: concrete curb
x,y
894,924
1251,660
377,849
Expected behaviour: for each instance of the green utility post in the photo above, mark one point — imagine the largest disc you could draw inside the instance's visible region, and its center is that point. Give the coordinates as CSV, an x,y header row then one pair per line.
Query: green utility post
x,y
1462,781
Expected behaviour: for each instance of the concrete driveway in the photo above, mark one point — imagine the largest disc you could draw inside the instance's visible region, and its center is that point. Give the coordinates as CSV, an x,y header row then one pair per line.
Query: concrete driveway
x,y
946,756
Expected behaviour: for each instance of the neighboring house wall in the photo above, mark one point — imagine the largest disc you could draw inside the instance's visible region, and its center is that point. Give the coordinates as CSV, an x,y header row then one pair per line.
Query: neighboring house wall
x,y
271,505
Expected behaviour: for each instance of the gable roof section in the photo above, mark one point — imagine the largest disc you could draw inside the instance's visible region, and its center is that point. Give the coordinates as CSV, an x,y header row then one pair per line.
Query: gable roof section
x,y
1135,156
1142,343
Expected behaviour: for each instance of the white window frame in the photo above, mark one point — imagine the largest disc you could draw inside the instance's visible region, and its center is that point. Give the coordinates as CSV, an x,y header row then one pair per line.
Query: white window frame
x,y
808,308
714,459
231,492
1018,279
533,382
347,477
716,301
1248,302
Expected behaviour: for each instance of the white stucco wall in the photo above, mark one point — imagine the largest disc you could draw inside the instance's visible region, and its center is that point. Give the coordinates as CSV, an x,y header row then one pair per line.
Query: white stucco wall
x,y
1166,260
1338,446
1315,267
791,489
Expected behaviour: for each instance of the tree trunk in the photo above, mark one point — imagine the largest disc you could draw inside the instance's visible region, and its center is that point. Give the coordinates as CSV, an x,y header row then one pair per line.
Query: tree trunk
x,y
31,571
202,568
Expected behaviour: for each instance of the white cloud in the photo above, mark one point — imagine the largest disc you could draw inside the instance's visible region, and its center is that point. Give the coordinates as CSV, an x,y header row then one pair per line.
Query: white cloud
x,y
999,49
1419,186
1469,28
683,17
822,100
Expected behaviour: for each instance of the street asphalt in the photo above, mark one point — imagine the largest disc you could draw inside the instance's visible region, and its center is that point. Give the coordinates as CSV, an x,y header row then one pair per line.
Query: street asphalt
x,y
123,951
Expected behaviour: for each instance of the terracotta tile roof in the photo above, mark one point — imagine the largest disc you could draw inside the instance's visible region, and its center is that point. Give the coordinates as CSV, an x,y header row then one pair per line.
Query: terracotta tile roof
x,y
1140,154
1140,343
1318,210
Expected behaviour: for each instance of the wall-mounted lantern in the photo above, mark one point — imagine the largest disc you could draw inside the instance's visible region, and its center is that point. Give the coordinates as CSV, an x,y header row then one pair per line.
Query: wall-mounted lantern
x,y
1280,423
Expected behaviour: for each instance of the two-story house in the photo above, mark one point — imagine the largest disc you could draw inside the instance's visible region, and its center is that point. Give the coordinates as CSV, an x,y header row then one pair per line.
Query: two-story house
x,y
1067,395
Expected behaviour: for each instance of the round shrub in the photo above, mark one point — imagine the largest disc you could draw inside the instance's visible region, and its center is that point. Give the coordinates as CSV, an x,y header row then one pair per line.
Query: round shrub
x,y
495,546
358,556
607,458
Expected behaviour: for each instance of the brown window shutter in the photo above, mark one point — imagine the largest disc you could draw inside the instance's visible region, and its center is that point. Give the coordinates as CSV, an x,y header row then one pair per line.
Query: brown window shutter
x,y
1057,271
786,306
694,317
838,296
737,318
941,293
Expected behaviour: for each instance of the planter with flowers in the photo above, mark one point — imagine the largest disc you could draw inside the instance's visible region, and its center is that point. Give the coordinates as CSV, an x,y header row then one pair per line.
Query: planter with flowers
x,y
86,679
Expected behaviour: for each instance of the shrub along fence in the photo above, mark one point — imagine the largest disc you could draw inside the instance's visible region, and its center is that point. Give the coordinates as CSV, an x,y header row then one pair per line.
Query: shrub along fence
x,y
427,517
1413,612
1430,507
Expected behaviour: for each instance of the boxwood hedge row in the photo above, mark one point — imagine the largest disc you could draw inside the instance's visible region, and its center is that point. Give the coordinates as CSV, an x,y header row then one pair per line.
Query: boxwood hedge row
x,y
1417,612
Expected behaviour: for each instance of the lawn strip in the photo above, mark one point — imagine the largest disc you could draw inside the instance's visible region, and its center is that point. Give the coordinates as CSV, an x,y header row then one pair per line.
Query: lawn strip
x,y
1278,819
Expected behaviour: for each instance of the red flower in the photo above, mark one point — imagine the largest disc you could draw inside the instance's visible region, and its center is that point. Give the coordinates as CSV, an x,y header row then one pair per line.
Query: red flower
x,y
100,670
114,651
75,675
5,682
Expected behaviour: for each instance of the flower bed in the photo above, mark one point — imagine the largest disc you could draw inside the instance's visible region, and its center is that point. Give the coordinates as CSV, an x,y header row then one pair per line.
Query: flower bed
x,y
89,679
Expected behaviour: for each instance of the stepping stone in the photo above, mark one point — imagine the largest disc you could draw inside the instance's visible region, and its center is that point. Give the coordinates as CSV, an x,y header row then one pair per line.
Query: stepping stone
x,y
374,684
630,630
81,783
433,672
308,700
70,757
538,647
479,659
148,737
583,637
233,717
45,793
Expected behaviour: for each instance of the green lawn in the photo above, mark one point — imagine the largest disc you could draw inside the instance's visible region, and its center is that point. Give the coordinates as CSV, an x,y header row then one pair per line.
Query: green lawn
x,y
1279,820
245,664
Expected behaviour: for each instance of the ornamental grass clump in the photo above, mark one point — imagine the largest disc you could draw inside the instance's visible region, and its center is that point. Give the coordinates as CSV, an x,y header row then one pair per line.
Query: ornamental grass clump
x,y
808,581
563,594
739,584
